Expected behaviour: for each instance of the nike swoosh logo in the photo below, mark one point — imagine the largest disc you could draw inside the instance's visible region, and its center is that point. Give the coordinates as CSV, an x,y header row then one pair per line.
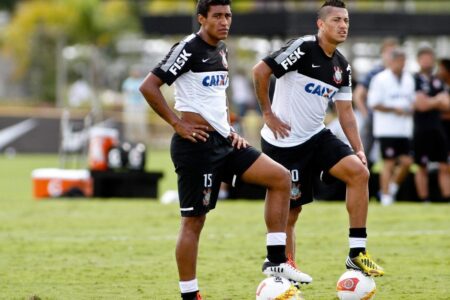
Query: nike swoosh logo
x,y
12,133
205,60
315,66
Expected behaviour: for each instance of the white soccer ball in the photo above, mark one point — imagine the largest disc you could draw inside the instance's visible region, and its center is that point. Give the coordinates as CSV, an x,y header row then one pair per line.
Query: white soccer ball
x,y
354,285
274,288
169,197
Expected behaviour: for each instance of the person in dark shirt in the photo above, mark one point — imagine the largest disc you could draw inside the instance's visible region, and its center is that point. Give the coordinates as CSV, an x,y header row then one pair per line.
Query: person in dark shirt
x,y
429,140
444,75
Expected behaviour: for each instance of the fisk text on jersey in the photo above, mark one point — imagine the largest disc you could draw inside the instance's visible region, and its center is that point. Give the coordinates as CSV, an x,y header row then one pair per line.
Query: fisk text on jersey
x,y
179,62
292,58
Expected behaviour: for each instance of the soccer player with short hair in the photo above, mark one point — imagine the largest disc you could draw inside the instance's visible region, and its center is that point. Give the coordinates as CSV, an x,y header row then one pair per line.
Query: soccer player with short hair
x,y
430,141
310,73
206,151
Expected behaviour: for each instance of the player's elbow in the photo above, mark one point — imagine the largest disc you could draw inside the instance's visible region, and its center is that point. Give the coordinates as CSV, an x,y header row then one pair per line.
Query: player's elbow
x,y
261,70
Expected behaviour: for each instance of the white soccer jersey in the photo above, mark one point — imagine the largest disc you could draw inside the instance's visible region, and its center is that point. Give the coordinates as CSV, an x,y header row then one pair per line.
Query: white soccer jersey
x,y
387,90
200,73
307,79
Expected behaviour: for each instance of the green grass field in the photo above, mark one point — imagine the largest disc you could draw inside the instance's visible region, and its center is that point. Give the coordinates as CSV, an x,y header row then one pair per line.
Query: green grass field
x,y
124,249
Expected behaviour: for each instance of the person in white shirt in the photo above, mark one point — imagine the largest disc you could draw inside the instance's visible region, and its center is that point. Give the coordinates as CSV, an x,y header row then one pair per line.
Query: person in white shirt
x,y
391,96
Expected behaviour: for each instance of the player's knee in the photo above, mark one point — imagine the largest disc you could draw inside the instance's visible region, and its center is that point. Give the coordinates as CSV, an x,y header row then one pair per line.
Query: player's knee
x,y
406,161
193,224
360,175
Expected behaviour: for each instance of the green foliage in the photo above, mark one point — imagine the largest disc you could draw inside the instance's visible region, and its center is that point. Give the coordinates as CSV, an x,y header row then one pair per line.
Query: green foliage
x,y
124,249
37,26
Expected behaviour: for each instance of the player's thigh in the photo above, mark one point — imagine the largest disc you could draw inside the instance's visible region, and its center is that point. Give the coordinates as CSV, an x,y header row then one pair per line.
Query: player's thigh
x,y
266,172
349,168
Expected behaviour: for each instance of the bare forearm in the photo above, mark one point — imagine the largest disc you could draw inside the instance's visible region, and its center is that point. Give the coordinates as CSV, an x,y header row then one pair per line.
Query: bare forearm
x,y
261,81
150,89
350,128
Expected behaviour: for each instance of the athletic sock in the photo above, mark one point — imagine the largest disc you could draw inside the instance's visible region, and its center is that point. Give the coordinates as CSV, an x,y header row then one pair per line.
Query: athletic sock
x,y
189,289
189,296
276,247
357,241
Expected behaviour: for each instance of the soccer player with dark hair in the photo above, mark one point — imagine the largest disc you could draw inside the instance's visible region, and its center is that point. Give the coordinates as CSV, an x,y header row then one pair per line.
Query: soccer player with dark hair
x,y
206,151
310,73
430,141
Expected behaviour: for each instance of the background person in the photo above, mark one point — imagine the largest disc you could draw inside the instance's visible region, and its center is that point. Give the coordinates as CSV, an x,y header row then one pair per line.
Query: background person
x,y
391,96
430,141
360,97
444,75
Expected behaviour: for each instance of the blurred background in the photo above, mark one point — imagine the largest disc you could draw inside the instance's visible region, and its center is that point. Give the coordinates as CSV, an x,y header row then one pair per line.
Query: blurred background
x,y
76,54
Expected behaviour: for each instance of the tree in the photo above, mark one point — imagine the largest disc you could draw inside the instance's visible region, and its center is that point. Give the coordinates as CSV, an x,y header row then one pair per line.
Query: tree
x,y
38,27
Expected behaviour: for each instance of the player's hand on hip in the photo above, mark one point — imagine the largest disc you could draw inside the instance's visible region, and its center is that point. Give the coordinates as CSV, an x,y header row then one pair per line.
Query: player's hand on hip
x,y
362,156
278,127
237,140
191,132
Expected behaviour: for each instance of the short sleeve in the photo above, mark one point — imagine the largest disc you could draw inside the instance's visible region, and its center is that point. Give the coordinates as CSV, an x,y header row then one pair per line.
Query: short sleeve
x,y
287,58
177,62
345,90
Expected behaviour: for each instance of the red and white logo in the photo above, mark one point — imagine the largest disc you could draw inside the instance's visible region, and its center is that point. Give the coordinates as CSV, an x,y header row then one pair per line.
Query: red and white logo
x,y
348,284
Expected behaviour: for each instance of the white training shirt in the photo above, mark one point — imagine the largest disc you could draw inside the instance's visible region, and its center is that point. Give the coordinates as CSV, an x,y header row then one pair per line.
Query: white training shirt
x,y
307,80
200,73
387,90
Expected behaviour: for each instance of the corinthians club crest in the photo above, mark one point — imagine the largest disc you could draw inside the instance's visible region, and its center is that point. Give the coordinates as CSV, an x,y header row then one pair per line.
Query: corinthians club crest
x,y
224,59
337,76
295,191
207,196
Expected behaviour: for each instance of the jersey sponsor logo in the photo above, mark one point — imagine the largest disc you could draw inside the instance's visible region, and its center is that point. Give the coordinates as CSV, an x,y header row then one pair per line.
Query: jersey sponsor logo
x,y
215,80
337,76
292,58
314,89
180,62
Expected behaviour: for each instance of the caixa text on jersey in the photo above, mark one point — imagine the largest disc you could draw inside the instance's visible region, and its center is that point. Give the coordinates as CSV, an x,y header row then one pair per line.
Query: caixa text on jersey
x,y
215,80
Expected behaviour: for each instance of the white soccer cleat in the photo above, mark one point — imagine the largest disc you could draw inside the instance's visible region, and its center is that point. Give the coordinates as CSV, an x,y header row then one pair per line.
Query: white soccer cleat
x,y
285,270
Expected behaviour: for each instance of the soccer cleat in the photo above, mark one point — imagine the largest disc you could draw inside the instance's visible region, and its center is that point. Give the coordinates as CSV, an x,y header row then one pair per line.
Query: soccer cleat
x,y
285,270
363,262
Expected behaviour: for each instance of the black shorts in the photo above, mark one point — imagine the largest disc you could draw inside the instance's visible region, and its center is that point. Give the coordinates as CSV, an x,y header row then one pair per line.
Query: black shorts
x,y
446,125
394,147
318,154
202,166
430,146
